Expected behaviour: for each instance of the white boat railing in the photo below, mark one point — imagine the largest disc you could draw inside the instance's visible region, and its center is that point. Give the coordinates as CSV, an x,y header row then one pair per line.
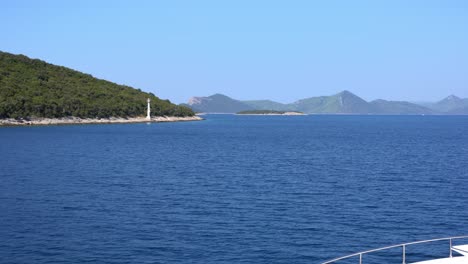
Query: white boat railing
x,y
403,246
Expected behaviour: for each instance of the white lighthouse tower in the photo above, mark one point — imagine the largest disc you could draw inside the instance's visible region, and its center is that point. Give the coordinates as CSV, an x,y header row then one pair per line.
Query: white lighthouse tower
x,y
148,111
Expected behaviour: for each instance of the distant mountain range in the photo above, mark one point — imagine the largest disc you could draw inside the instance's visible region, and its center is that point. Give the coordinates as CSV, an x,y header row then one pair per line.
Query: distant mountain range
x,y
344,102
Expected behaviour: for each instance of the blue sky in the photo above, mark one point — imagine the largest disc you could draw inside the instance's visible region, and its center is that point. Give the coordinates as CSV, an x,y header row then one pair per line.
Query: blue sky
x,y
279,50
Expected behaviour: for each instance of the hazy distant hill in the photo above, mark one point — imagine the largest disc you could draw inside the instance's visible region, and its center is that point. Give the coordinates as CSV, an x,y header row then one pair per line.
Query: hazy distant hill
x,y
451,104
344,102
217,103
459,111
267,105
398,108
34,88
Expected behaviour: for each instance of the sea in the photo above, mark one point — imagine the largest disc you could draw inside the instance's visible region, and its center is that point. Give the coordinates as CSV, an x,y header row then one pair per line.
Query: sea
x,y
233,189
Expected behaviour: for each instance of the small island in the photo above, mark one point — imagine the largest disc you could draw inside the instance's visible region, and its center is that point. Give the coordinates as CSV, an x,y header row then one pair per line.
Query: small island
x,y
269,112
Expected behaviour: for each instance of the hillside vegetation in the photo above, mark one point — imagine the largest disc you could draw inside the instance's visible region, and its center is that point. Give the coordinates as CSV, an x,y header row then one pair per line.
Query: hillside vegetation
x,y
34,88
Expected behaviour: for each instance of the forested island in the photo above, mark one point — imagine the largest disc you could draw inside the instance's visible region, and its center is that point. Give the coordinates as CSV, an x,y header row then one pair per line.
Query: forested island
x,y
33,89
269,112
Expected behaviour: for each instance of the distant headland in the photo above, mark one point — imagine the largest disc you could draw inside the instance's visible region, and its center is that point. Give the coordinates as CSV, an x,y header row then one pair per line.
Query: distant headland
x,y
269,112
34,92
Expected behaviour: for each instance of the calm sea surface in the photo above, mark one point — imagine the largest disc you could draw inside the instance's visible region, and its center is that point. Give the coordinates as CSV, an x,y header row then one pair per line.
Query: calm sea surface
x,y
231,189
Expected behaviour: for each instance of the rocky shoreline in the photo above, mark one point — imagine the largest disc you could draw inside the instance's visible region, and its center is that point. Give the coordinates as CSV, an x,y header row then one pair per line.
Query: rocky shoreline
x,y
77,120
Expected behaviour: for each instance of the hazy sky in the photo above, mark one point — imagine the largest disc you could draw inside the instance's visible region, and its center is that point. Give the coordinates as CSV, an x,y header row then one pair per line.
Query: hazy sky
x,y
280,50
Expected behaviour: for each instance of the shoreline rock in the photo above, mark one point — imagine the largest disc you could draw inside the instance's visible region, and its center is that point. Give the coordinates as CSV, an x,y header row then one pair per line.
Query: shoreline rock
x,y
77,120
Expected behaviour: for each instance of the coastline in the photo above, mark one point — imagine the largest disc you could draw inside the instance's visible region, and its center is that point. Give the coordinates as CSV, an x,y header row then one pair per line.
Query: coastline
x,y
77,120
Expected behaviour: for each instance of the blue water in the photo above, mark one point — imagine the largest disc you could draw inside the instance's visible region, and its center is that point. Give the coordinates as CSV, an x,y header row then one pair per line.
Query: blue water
x,y
230,189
